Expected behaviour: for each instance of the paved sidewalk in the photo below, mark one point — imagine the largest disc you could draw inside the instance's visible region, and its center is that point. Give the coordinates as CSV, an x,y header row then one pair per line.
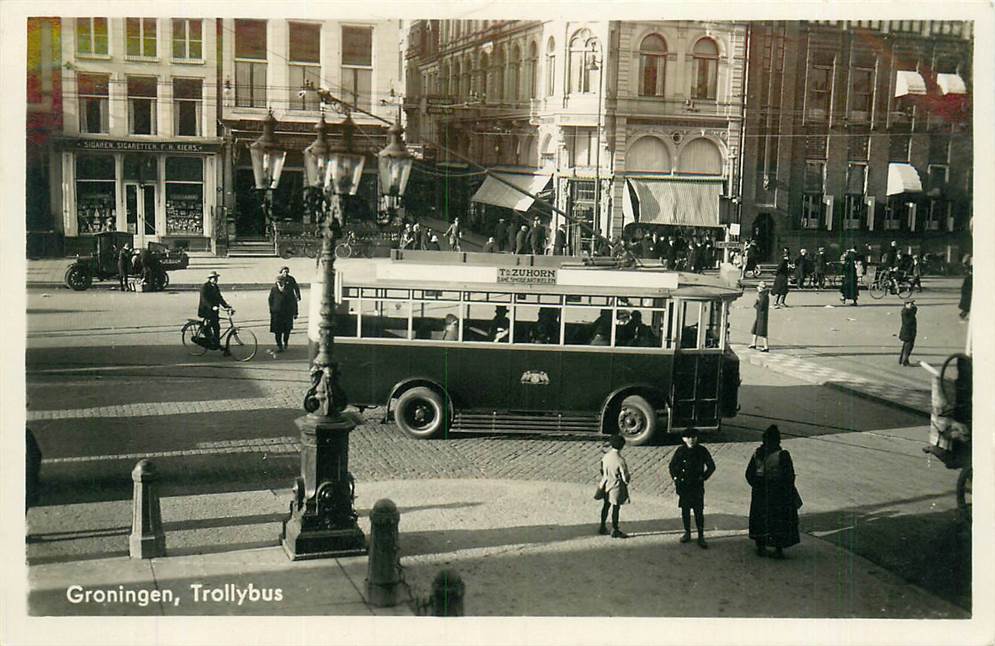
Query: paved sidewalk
x,y
522,549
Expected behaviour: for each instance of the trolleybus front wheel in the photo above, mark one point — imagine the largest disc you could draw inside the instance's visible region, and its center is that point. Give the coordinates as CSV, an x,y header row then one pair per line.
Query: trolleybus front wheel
x,y
636,420
420,413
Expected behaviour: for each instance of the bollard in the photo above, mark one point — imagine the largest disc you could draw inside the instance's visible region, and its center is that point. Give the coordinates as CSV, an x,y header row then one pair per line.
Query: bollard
x,y
447,594
147,539
382,574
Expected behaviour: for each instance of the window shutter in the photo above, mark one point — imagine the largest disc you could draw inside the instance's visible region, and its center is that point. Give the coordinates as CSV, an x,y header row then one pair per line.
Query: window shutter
x,y
871,203
912,216
828,201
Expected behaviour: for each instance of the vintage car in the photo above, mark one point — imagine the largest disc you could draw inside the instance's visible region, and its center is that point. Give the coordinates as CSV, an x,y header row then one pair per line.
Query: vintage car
x,y
102,263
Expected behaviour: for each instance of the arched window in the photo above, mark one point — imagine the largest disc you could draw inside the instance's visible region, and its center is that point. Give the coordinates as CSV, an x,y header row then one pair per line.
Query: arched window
x,y
444,80
498,76
466,87
457,90
705,71
533,80
550,67
584,67
652,65
480,86
514,74
701,157
648,154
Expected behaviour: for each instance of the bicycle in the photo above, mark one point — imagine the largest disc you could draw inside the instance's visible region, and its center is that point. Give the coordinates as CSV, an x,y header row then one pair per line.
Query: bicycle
x,y
239,343
889,282
300,247
353,246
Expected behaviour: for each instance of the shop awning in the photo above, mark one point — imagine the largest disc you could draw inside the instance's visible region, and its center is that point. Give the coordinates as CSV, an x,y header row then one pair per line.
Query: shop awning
x,y
682,202
951,84
903,178
496,193
909,83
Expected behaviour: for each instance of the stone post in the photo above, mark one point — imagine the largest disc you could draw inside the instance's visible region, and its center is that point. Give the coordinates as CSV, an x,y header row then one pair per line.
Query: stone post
x,y
147,539
382,574
447,594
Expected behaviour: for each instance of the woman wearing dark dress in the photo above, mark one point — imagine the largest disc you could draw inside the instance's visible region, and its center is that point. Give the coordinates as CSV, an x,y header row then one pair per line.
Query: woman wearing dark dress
x,y
760,322
849,290
691,465
774,501
282,312
780,290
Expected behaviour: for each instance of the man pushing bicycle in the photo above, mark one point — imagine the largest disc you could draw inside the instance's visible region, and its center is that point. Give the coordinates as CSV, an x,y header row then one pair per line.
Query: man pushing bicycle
x,y
211,301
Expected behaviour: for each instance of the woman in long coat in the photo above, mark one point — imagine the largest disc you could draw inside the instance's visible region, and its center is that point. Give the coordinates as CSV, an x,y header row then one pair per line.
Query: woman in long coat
x,y
849,290
282,312
780,290
774,501
760,322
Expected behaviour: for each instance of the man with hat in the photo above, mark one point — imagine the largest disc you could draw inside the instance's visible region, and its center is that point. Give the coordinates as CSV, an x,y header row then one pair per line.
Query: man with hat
x,y
500,325
124,265
760,321
211,301
691,465
801,268
821,267
907,333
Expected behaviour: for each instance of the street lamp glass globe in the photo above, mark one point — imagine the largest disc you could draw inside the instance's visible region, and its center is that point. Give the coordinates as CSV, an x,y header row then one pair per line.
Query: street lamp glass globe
x,y
344,172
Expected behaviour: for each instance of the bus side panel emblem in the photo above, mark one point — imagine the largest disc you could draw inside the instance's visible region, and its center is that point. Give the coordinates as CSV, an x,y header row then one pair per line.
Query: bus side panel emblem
x,y
535,378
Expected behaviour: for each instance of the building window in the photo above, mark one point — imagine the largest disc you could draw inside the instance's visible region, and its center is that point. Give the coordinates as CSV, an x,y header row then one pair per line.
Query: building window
x,y
304,65
812,207
187,106
652,65
357,65
895,211
584,70
583,149
550,67
939,211
95,193
936,179
898,147
140,35
855,207
142,93
93,103
515,74
250,63
466,85
819,85
184,196
188,39
861,94
533,81
705,70
91,36
497,77
480,82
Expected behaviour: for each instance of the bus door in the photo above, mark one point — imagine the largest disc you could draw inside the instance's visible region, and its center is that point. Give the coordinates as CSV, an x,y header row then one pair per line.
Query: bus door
x,y
697,332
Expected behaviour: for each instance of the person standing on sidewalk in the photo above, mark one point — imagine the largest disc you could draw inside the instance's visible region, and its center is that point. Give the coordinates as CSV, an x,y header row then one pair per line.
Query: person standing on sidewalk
x,y
907,335
965,294
500,234
801,268
760,321
292,285
614,485
780,290
490,246
537,237
282,312
774,501
454,235
560,240
690,466
849,289
522,241
123,265
821,266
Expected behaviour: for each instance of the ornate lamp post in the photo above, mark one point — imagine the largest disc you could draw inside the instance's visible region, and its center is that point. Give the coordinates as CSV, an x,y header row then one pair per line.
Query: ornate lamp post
x,y
322,522
315,166
394,168
267,165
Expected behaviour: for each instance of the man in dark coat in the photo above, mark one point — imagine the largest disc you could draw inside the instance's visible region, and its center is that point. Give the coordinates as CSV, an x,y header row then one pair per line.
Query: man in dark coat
x,y
774,501
780,290
907,335
124,265
500,234
522,240
890,257
669,253
646,246
537,237
422,236
291,282
490,246
821,266
690,466
512,237
560,240
849,289
965,294
282,312
801,268
211,301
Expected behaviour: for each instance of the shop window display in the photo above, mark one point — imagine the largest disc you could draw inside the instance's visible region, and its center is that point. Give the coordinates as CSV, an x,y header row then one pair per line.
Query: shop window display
x,y
95,194
184,196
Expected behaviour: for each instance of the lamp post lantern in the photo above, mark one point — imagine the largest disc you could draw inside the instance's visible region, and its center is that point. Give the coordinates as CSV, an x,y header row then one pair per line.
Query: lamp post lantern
x,y
267,165
322,521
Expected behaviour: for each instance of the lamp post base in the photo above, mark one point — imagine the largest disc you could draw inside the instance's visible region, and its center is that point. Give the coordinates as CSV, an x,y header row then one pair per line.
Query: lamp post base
x,y
322,523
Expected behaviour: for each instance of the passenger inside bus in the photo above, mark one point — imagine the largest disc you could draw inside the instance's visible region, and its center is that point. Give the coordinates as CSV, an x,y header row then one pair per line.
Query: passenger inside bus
x,y
635,333
500,325
547,327
601,329
451,331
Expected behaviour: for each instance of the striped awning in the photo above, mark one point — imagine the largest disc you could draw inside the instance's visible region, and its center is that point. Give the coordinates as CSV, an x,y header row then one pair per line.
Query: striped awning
x,y
951,84
903,178
497,193
909,83
682,202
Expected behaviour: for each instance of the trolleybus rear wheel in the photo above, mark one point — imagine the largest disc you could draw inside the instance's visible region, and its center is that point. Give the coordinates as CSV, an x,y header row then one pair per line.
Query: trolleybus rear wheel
x,y
636,420
420,413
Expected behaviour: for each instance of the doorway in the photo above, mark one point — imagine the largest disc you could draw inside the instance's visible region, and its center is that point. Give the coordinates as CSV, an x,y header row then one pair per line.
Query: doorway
x,y
763,233
139,203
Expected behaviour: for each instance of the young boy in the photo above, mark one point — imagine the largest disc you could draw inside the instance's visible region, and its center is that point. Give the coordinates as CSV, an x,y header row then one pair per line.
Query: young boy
x,y
691,465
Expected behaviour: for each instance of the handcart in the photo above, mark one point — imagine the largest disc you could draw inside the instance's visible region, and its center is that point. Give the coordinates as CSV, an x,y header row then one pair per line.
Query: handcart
x,y
950,423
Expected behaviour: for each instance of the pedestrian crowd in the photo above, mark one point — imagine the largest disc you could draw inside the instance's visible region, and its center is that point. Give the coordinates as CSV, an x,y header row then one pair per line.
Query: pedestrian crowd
x,y
770,473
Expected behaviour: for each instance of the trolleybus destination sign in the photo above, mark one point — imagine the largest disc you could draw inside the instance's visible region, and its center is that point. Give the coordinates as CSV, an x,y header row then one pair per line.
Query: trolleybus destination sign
x,y
526,275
